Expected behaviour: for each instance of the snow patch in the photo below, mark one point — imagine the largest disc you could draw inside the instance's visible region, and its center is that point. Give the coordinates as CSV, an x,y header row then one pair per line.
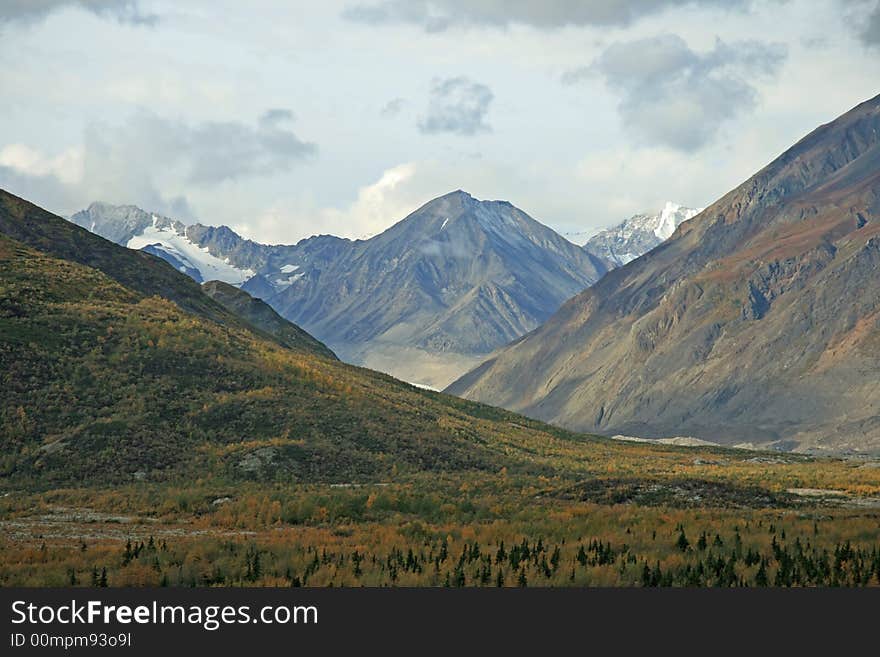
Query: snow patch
x,y
209,266
670,217
284,283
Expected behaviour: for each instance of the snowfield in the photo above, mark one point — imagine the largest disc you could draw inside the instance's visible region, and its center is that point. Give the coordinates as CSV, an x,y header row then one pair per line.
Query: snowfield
x,y
211,267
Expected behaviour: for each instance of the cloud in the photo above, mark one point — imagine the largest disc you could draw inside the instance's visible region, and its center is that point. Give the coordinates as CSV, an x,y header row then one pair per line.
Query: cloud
x,y
203,154
379,204
457,106
152,161
67,167
392,108
439,15
273,117
862,18
870,33
124,11
673,96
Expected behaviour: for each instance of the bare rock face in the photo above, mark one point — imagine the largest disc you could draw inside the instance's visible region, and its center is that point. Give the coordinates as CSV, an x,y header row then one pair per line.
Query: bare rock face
x,y
758,321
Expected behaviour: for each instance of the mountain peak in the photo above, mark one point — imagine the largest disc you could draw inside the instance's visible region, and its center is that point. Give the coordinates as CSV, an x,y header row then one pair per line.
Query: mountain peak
x,y
458,193
639,234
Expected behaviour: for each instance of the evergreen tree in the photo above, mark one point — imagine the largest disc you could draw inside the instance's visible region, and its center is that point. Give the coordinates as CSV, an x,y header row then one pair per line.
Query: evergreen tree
x,y
702,542
682,543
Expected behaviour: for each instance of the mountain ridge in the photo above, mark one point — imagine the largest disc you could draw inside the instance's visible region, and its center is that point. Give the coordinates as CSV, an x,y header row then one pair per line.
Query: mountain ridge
x,y
450,282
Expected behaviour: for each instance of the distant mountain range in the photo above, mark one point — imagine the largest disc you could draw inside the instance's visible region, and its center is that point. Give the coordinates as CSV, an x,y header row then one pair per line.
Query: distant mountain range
x,y
425,300
757,322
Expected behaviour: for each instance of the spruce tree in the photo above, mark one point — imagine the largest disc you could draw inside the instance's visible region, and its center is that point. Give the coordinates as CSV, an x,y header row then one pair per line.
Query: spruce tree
x,y
682,543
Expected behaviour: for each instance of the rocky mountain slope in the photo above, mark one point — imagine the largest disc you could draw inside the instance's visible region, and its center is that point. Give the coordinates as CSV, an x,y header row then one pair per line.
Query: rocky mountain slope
x,y
638,234
438,291
758,321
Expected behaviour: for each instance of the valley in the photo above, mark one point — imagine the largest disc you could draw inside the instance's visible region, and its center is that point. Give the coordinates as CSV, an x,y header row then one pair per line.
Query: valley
x,y
158,430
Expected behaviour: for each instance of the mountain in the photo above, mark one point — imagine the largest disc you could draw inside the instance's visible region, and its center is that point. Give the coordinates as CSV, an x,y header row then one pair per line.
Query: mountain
x,y
261,315
438,291
425,300
757,321
638,234
106,379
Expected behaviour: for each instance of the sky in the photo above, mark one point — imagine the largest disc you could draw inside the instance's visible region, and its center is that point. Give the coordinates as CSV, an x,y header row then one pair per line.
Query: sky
x,y
289,119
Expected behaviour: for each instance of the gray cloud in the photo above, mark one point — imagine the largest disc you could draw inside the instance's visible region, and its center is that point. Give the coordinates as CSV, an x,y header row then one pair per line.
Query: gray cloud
x,y
125,11
673,96
438,15
863,19
136,161
45,190
392,108
276,115
457,106
206,153
870,33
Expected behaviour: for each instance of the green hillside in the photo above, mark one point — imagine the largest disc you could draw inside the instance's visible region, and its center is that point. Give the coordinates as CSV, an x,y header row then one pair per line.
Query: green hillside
x,y
261,315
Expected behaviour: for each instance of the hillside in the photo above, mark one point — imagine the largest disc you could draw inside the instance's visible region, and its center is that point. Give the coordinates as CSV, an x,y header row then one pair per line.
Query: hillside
x,y
756,322
145,445
261,315
140,271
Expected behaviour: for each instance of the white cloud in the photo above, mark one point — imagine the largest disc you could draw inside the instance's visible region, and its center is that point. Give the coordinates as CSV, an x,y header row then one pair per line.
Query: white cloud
x,y
377,206
67,166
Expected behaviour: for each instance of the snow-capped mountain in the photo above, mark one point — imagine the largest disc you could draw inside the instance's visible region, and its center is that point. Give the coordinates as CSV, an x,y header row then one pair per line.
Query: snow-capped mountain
x,y
637,235
167,238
